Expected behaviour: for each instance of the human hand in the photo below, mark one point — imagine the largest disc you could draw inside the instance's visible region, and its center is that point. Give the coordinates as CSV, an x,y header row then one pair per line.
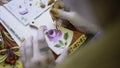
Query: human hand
x,y
75,19
35,52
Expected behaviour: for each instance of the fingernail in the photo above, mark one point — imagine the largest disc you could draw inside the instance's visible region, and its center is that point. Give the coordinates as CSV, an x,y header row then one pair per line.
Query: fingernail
x,y
54,11
42,5
58,5
50,2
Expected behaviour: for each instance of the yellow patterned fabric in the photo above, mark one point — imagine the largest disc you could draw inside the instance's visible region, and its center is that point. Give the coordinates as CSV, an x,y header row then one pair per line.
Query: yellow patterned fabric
x,y
9,50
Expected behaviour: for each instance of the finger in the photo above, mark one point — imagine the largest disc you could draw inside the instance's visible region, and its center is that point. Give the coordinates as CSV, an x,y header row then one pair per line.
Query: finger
x,y
62,56
37,41
50,59
42,43
40,47
50,2
58,4
40,35
61,13
39,56
42,5
28,48
22,52
41,39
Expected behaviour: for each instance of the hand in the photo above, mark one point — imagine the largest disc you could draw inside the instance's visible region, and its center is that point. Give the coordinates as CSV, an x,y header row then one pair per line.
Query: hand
x,y
35,52
75,19
62,57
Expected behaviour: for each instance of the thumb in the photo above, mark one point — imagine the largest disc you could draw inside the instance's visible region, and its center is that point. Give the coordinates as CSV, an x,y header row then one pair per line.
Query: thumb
x,y
61,13
39,42
62,56
41,37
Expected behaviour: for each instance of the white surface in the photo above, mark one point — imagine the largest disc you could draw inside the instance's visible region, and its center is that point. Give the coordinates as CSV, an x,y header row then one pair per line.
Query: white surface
x,y
33,10
20,29
25,31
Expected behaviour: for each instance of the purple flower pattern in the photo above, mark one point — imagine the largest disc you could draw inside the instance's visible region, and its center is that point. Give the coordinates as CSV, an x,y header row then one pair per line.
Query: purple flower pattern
x,y
54,35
